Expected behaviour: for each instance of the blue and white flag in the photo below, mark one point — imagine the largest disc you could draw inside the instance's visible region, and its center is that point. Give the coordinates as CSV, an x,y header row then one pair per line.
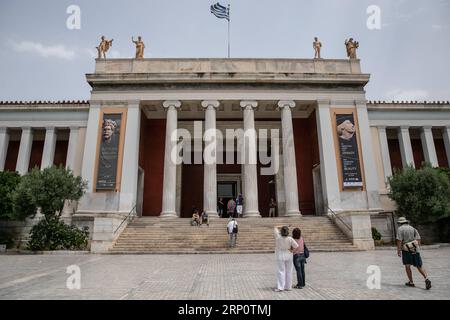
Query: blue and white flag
x,y
220,11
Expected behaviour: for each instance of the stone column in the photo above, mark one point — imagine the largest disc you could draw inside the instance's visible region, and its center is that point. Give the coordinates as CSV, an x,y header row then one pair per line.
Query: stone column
x,y
170,166
4,141
23,159
289,162
368,157
72,148
48,154
405,147
385,153
130,168
279,179
446,136
328,165
250,168
90,147
429,150
210,159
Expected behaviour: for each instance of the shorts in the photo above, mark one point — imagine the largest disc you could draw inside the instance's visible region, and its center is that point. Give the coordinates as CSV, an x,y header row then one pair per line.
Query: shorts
x,y
239,209
409,258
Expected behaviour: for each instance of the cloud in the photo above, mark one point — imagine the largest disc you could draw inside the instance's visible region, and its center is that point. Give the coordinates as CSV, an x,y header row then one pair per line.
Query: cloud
x,y
53,51
405,95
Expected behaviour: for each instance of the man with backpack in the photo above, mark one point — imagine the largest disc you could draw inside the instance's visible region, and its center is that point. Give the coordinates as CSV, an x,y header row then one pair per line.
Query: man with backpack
x,y
232,229
408,242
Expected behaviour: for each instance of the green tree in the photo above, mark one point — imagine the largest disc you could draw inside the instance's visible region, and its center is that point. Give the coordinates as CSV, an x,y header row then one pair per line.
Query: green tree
x,y
48,190
422,195
8,184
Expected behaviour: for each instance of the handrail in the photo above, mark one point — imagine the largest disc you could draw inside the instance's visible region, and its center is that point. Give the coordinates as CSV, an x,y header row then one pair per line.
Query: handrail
x,y
128,215
336,216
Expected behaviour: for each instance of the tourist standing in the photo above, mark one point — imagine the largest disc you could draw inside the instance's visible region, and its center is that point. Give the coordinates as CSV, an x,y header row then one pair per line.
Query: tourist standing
x,y
221,207
284,245
408,242
299,258
231,206
272,206
232,229
239,205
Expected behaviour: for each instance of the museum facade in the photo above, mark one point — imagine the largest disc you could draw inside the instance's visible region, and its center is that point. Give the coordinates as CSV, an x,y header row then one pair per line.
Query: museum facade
x,y
159,136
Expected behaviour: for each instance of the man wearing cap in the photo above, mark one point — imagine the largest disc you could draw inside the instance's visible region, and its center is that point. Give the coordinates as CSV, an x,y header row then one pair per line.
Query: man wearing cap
x,y
408,242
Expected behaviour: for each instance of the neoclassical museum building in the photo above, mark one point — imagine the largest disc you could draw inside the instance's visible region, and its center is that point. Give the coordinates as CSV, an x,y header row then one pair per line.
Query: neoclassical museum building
x,y
310,140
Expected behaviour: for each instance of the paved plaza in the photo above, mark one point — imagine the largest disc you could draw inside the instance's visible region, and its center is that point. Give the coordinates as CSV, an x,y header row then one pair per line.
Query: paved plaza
x,y
217,276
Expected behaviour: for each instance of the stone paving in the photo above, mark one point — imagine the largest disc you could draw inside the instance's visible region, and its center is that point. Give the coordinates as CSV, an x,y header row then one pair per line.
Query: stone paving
x,y
218,276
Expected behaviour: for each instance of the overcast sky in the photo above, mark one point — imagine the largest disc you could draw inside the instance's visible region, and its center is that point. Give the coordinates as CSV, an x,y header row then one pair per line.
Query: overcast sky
x,y
41,59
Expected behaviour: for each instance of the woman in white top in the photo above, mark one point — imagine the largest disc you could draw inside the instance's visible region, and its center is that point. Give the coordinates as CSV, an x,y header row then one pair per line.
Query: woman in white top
x,y
283,253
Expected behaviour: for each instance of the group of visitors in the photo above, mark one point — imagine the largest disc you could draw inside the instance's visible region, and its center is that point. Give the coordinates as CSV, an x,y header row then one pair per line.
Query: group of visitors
x,y
199,219
291,252
232,209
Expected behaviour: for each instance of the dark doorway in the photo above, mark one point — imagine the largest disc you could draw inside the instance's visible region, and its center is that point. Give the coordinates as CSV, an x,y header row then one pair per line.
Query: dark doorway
x,y
226,190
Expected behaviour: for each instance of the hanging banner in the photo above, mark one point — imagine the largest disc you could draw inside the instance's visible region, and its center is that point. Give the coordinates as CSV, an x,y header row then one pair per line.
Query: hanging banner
x,y
109,151
348,150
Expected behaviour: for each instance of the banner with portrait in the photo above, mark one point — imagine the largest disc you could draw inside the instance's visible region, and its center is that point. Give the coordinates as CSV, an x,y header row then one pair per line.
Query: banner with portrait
x,y
108,158
348,150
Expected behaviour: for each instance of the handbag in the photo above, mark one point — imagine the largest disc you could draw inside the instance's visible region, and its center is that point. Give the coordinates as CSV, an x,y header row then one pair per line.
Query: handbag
x,y
235,228
306,250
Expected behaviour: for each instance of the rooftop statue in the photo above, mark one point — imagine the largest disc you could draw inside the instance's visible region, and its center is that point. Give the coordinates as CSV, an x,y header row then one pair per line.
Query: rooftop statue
x,y
351,48
103,47
317,45
139,47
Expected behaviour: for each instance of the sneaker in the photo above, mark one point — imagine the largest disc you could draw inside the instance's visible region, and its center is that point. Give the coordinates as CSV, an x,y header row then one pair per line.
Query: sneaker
x,y
410,284
428,284
277,290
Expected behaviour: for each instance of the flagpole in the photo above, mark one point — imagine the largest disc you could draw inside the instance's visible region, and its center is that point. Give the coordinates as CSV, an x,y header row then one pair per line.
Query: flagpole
x,y
229,19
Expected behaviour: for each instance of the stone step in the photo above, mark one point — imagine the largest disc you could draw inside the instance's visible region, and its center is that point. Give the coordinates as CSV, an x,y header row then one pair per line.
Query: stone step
x,y
157,235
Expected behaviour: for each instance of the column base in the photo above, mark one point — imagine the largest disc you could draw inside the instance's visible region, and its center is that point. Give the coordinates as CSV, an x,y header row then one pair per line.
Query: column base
x,y
212,214
168,214
293,213
252,214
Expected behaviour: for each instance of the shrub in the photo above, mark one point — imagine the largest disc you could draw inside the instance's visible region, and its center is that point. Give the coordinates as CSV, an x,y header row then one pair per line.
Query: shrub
x,y
423,195
8,184
52,234
48,190
375,234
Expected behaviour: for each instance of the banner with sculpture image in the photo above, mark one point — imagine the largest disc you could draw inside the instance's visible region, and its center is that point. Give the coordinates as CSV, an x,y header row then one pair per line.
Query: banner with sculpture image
x,y
109,152
348,150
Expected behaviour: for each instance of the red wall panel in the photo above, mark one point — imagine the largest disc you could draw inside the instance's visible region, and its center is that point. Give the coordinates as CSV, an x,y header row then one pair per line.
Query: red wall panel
x,y
304,155
11,155
151,159
440,152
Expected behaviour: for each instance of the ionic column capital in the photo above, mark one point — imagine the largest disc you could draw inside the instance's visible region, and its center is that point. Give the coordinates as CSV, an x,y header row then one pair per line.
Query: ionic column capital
x,y
249,104
381,128
3,129
427,128
323,103
210,104
51,128
286,104
172,104
404,128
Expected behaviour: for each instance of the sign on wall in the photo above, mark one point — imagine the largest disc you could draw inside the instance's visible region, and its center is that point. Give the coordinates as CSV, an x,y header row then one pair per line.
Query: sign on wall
x,y
348,150
108,158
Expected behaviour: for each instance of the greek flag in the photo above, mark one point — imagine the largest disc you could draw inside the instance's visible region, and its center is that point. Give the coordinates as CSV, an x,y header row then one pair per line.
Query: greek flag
x,y
220,11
